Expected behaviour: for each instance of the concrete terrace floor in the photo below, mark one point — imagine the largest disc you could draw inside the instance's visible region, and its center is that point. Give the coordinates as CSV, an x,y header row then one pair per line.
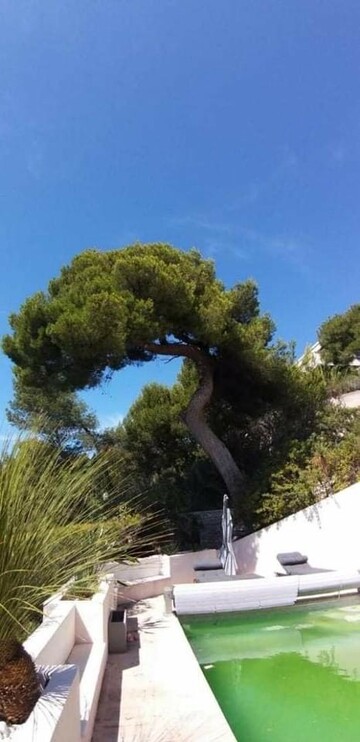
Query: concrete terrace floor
x,y
156,692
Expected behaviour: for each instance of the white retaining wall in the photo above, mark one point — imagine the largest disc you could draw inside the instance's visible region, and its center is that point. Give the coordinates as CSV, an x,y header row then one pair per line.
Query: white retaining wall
x,y
327,532
182,565
73,633
145,578
52,642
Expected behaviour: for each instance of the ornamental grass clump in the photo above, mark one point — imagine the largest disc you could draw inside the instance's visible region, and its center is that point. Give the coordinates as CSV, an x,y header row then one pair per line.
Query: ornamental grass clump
x,y
19,683
54,529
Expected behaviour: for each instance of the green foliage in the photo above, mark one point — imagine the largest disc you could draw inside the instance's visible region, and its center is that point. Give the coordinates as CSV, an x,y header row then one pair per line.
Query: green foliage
x,y
326,457
54,527
339,337
288,487
107,309
164,462
59,417
282,405
340,380
328,461
153,426
110,309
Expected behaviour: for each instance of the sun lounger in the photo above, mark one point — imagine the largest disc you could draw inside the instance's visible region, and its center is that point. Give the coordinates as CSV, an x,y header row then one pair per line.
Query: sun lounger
x,y
295,563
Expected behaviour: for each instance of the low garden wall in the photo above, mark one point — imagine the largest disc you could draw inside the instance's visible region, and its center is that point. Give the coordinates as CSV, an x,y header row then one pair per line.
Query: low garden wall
x,y
72,644
146,578
151,576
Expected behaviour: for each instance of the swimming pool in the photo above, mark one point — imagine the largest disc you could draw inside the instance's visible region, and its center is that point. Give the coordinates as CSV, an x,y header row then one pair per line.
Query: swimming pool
x,y
284,675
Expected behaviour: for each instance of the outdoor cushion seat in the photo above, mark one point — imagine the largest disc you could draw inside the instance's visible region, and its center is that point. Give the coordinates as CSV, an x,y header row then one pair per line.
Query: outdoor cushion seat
x,y
295,563
292,557
204,566
303,569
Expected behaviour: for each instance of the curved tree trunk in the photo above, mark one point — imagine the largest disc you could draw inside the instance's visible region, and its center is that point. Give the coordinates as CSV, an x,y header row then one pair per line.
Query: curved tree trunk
x,y
195,415
195,419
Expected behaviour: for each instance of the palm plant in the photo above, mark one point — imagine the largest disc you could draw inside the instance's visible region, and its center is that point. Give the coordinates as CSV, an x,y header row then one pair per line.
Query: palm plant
x,y
53,529
19,683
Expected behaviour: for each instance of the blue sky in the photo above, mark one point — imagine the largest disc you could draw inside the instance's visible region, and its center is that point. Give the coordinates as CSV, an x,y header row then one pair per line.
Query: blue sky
x,y
230,126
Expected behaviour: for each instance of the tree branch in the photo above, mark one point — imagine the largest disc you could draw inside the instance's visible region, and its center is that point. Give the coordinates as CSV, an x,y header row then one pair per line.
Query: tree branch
x,y
176,349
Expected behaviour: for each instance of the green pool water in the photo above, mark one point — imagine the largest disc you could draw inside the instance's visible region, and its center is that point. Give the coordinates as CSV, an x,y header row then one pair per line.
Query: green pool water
x,y
287,675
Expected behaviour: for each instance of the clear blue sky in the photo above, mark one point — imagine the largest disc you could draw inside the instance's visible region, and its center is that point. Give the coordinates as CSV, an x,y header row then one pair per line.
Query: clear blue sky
x,y
231,126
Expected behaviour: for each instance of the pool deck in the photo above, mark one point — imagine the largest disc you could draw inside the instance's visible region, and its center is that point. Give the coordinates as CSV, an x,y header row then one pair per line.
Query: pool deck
x,y
156,692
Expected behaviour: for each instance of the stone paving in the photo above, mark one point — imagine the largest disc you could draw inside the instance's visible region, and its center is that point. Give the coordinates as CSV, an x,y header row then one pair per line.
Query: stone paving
x,y
156,692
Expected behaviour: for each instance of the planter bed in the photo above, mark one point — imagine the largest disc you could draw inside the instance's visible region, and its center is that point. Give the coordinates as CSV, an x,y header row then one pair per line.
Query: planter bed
x,y
73,636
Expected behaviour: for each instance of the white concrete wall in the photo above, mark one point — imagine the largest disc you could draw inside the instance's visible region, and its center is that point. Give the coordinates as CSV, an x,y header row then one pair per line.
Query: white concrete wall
x,y
150,577
146,578
91,622
328,533
182,565
142,590
52,642
143,569
67,624
56,715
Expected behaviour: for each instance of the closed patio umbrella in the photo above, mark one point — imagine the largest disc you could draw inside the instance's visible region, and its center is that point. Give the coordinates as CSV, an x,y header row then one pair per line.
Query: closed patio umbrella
x,y
230,567
227,556
223,547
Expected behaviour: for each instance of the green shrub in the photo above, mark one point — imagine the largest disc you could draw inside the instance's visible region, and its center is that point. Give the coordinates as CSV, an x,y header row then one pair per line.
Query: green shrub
x,y
327,462
52,529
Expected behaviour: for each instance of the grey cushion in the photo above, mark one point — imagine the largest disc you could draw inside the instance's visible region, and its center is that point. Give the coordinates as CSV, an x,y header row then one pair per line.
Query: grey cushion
x,y
292,557
299,569
207,566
